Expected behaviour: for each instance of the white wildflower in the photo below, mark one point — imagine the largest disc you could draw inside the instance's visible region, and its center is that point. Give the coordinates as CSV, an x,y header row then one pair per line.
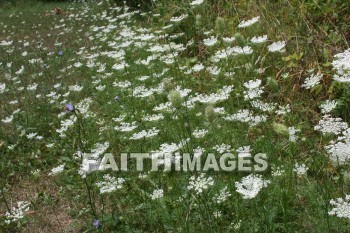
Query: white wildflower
x,y
312,81
300,169
277,46
200,183
251,185
157,193
341,207
110,184
247,23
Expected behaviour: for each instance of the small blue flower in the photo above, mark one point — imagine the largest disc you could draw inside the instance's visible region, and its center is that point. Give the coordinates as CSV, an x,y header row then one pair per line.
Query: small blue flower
x,y
60,53
117,98
69,107
96,223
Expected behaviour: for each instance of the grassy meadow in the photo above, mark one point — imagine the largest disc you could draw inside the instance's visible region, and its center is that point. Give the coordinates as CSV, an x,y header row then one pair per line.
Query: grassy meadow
x,y
202,77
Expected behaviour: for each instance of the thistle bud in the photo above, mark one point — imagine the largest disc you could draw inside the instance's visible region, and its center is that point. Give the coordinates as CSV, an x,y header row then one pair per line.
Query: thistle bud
x,y
280,129
240,39
151,98
175,99
168,84
219,25
273,84
210,114
198,21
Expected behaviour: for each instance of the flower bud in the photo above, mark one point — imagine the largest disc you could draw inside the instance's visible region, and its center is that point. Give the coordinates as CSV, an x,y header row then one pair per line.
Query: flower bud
x,y
210,114
280,129
175,99
219,25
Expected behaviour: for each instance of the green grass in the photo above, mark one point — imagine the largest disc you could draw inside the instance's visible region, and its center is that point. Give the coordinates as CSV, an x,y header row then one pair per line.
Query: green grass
x,y
69,202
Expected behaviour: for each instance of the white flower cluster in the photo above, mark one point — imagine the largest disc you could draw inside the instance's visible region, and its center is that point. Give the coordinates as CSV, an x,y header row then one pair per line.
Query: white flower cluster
x,y
245,115
312,81
213,98
158,193
196,2
126,127
265,107
292,134
259,40
339,150
210,41
145,134
65,124
154,117
2,87
341,65
300,169
277,46
277,170
199,133
17,213
56,170
251,185
110,184
223,148
7,119
254,89
222,195
329,124
328,106
176,19
342,207
247,23
200,183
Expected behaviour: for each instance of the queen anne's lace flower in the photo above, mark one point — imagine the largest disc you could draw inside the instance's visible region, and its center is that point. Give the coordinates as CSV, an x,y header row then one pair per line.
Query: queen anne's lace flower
x,y
200,183
196,2
57,170
339,152
341,207
247,23
200,133
341,64
17,213
110,184
126,127
210,41
245,115
222,196
300,169
277,46
311,81
145,134
328,106
292,134
259,40
251,185
178,18
158,193
331,125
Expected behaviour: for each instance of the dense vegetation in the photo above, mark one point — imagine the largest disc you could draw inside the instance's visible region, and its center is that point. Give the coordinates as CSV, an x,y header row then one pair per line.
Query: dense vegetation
x,y
174,77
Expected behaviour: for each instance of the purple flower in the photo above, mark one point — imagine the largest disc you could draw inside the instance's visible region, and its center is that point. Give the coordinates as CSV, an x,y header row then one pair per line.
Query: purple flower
x,y
117,98
96,223
69,107
60,53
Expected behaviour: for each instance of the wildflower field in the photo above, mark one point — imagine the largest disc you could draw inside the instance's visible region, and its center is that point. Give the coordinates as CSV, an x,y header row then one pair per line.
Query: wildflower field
x,y
175,116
